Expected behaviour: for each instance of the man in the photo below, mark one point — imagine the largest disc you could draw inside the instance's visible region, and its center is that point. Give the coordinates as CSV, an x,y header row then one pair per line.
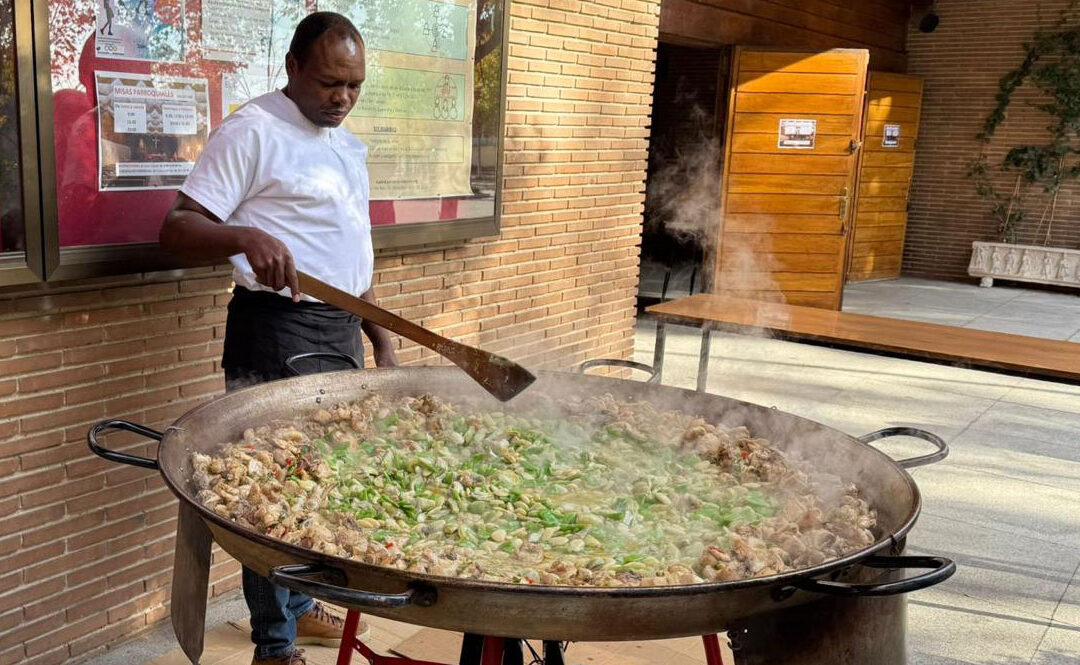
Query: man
x,y
282,186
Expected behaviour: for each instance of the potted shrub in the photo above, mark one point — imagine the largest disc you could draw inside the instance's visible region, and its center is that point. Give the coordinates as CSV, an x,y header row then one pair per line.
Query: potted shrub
x,y
1052,65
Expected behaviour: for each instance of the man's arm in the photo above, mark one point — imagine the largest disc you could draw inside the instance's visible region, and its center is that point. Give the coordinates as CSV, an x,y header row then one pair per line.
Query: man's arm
x,y
381,345
193,232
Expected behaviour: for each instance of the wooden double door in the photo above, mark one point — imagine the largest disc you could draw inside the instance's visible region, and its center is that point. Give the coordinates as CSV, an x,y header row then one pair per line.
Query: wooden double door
x,y
806,193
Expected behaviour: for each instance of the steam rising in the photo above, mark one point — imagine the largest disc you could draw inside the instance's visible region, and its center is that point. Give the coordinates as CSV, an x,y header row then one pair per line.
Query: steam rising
x,y
683,192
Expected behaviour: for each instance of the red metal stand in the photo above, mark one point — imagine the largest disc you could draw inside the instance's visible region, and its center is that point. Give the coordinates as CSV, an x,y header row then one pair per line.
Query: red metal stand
x,y
712,650
492,654
349,645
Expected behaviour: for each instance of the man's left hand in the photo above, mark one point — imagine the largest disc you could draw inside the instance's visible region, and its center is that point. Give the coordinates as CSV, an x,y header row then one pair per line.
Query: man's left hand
x,y
385,357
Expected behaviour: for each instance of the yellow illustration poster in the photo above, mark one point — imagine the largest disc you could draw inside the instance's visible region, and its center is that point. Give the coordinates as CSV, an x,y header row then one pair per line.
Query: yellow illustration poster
x,y
415,108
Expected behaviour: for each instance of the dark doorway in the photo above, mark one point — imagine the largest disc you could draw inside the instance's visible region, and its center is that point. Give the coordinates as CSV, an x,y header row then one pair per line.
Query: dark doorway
x,y
685,157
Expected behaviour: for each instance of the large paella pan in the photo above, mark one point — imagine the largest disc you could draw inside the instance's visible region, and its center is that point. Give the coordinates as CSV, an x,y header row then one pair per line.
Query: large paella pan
x,y
542,610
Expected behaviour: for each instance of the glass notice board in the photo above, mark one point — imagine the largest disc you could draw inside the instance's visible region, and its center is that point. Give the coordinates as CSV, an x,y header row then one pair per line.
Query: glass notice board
x,y
135,87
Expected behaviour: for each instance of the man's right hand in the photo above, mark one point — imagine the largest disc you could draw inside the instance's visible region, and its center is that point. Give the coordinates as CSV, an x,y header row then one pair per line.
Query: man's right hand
x,y
271,261
193,232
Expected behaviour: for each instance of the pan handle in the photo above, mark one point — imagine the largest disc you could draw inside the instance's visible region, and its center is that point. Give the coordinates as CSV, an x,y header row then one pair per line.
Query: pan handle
x,y
327,355
940,569
942,448
654,376
122,458
296,577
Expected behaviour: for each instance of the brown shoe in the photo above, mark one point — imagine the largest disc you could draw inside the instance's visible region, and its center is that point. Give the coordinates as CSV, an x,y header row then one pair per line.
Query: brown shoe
x,y
323,627
294,658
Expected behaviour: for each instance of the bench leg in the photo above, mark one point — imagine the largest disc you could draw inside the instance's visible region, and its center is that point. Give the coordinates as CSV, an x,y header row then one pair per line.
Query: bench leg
x,y
703,358
658,351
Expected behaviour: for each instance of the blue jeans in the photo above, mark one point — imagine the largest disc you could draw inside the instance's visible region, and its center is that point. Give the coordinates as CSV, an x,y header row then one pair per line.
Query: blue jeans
x,y
263,330
274,611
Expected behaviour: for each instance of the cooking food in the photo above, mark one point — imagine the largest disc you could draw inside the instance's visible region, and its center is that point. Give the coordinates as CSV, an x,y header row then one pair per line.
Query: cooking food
x,y
599,492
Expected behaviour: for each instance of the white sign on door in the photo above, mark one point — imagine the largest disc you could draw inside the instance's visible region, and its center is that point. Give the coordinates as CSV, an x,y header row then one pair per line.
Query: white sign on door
x,y
891,138
797,134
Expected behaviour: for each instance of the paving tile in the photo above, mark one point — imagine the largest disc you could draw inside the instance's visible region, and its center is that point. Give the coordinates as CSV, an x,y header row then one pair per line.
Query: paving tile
x,y
1068,610
1045,394
1026,308
1012,420
944,635
1059,330
1017,508
996,571
932,409
1060,646
1031,460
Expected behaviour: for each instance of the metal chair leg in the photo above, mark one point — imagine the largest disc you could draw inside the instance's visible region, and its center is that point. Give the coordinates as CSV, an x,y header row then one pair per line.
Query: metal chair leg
x,y
658,352
703,358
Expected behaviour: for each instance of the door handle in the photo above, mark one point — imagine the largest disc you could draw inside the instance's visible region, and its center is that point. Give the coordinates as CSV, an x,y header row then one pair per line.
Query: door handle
x,y
844,196
853,146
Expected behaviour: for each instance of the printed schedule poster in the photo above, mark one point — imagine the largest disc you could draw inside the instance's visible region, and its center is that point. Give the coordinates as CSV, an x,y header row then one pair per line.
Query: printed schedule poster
x,y
150,30
151,129
415,109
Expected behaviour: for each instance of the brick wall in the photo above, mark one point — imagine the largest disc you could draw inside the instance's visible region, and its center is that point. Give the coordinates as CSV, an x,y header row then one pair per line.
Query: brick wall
x,y
87,546
977,42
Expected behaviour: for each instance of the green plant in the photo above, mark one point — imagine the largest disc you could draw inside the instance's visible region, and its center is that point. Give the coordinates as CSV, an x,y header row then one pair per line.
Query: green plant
x,y
1052,65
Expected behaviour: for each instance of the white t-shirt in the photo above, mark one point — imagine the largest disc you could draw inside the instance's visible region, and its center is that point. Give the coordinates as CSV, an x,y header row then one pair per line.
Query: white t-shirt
x,y
269,167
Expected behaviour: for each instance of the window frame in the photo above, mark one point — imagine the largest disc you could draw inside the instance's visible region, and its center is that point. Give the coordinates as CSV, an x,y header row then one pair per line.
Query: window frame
x,y
46,260
29,267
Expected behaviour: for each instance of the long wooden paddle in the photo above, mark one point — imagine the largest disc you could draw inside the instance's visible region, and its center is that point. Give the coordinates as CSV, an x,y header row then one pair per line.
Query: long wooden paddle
x,y
501,377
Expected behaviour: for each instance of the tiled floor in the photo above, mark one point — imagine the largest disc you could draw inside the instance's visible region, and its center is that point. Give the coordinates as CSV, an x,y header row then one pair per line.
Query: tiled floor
x,y
1034,312
228,644
1005,504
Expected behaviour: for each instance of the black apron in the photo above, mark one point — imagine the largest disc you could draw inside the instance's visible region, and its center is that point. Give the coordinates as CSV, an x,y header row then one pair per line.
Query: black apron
x,y
264,330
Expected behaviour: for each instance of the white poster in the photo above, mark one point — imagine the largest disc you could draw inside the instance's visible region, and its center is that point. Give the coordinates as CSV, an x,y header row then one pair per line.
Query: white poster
x,y
151,129
415,110
891,138
140,30
797,134
235,30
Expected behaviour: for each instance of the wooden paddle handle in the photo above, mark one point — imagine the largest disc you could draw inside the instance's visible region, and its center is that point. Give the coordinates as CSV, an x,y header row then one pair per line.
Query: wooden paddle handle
x,y
500,377
328,294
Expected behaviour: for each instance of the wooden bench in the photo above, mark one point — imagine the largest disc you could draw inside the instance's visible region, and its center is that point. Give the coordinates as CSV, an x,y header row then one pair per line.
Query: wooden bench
x,y
961,347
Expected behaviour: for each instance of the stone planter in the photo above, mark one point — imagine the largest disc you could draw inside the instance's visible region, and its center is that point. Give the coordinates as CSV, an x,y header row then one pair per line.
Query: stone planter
x,y
1024,263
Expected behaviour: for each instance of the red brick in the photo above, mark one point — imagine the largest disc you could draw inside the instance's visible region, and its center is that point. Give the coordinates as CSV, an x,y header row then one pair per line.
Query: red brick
x,y
60,528
53,455
103,599
113,633
25,364
71,631
21,406
31,629
25,482
99,569
84,414
64,377
60,340
95,317
99,353
102,389
142,362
